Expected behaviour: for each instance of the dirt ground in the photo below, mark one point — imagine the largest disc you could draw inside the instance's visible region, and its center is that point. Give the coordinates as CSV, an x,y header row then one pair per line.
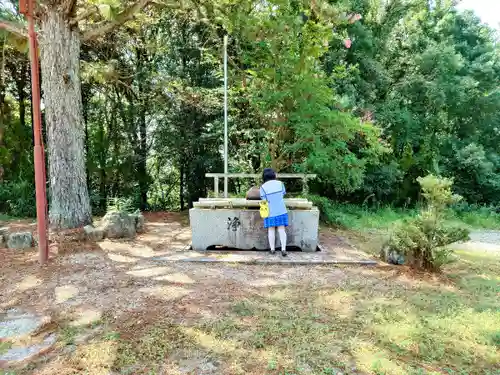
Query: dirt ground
x,y
124,284
127,307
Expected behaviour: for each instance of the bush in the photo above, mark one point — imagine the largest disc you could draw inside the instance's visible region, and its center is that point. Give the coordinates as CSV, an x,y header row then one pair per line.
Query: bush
x,y
17,198
421,241
118,204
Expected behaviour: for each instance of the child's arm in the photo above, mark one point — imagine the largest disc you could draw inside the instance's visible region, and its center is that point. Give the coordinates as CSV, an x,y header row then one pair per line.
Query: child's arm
x,y
262,194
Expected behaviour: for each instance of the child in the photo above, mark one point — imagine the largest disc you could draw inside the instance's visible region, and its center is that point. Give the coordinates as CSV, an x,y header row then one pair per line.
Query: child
x,y
273,191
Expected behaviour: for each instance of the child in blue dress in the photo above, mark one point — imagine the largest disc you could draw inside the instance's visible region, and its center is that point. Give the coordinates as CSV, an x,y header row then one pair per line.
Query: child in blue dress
x,y
273,191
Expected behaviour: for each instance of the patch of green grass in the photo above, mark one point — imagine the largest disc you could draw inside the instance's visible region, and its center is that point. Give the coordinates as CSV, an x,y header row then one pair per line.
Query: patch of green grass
x,y
480,218
5,346
357,217
151,346
4,217
374,324
67,334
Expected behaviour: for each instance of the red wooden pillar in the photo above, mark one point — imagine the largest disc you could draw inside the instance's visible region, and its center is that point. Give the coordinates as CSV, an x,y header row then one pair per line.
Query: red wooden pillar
x,y
27,7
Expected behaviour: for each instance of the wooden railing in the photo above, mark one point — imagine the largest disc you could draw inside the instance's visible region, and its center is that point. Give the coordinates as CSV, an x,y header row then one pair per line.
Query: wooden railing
x,y
216,176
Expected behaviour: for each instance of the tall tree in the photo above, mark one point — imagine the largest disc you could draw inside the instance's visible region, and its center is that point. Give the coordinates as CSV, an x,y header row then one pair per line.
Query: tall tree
x,y
60,43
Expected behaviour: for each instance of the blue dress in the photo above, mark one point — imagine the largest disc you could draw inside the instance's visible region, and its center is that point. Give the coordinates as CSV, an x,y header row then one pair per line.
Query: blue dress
x,y
274,191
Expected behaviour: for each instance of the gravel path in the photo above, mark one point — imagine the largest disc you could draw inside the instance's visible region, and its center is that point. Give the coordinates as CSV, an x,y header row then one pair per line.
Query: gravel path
x,y
482,241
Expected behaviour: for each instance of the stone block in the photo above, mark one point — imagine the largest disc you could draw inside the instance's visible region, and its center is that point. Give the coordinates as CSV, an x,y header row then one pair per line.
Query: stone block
x,y
118,225
93,234
140,222
20,240
243,229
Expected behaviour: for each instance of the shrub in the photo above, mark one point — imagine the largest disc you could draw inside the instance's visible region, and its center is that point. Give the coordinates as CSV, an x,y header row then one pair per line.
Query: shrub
x,y
118,204
17,198
422,241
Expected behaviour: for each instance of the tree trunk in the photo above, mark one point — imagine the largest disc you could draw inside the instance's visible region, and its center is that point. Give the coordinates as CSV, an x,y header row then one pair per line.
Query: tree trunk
x,y
181,184
85,103
60,63
142,159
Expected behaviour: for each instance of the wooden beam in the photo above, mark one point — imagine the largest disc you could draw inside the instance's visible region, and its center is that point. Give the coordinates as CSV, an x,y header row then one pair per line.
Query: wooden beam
x,y
255,175
216,186
243,203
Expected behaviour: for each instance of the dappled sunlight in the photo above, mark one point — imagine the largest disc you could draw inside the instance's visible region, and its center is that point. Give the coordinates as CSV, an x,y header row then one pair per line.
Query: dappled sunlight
x,y
170,235
180,318
203,312
165,292
210,342
121,258
179,278
467,332
27,283
64,293
86,316
128,248
149,272
96,358
372,359
241,359
263,282
342,302
9,303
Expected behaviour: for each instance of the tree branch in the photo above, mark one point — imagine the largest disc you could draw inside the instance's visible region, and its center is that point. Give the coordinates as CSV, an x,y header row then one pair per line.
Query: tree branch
x,y
70,7
106,27
14,28
89,12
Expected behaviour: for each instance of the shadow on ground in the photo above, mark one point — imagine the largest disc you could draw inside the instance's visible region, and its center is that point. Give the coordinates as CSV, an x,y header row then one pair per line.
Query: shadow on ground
x,y
120,312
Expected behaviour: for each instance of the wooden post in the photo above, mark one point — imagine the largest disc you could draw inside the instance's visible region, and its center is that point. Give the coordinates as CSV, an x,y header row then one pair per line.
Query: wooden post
x,y
305,189
27,7
216,187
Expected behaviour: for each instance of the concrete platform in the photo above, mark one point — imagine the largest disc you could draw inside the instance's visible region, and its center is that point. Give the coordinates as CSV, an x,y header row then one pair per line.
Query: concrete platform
x,y
339,255
243,229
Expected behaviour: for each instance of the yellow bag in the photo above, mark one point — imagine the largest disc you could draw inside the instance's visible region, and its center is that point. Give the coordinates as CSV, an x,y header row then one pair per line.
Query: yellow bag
x,y
264,209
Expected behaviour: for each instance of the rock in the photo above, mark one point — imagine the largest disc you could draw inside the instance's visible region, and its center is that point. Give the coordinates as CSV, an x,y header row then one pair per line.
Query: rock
x,y
2,241
396,258
4,231
253,193
93,234
118,225
140,222
16,323
19,355
391,256
20,240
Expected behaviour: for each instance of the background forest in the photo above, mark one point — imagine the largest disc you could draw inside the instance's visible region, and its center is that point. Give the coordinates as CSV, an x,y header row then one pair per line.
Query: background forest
x,y
368,94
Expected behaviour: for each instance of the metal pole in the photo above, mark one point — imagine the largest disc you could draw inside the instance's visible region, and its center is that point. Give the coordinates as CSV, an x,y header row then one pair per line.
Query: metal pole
x,y
40,180
225,119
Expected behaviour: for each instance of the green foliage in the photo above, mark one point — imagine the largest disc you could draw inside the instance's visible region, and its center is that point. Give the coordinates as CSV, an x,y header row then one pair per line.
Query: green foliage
x,y
17,198
416,93
423,240
121,205
292,98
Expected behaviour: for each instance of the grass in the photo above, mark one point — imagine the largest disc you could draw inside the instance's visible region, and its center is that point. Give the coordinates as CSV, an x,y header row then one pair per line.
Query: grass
x,y
371,321
4,217
375,326
375,321
5,346
359,218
